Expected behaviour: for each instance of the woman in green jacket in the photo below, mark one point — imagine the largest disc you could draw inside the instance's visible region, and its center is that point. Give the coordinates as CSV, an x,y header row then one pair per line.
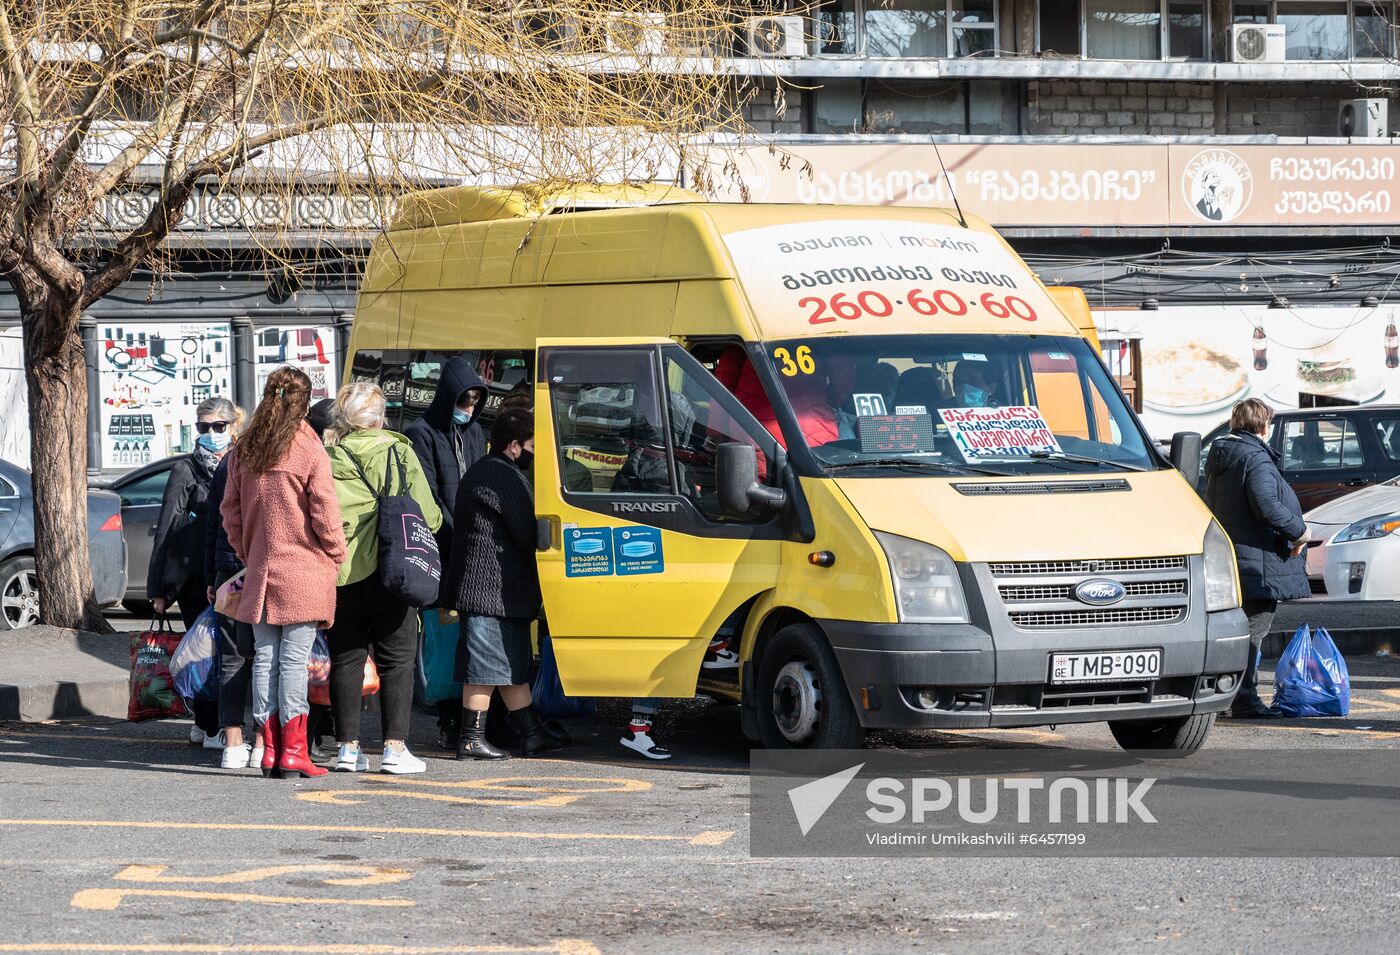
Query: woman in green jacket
x,y
363,455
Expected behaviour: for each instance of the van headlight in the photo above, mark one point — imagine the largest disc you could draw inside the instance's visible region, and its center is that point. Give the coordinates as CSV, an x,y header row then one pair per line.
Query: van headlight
x,y
926,585
1369,529
1222,587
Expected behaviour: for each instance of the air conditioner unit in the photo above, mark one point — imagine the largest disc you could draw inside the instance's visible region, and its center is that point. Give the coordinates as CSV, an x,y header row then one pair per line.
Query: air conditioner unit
x,y
1363,119
1257,43
771,37
635,34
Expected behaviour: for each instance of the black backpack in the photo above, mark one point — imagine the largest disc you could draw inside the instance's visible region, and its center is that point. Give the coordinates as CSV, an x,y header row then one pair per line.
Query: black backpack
x,y
409,565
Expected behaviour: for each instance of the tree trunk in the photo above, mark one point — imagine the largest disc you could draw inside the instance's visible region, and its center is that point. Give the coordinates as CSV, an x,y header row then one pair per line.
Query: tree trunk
x,y
57,379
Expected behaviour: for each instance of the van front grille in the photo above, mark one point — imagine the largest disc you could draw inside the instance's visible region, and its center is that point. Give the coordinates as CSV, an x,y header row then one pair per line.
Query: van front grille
x,y
1138,588
1131,565
1111,617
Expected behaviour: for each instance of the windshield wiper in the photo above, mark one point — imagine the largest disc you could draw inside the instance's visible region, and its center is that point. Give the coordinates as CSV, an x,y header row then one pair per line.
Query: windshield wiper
x,y
1051,457
916,464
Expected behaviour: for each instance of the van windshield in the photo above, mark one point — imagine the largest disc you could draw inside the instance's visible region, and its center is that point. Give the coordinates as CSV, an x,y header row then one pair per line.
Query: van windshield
x,y
1001,404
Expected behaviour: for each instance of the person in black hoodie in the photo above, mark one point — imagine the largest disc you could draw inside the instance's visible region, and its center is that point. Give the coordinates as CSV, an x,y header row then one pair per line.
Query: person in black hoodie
x,y
1261,514
448,440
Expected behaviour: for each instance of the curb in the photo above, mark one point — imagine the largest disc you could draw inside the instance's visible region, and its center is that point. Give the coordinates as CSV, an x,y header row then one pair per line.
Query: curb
x,y
55,674
1351,642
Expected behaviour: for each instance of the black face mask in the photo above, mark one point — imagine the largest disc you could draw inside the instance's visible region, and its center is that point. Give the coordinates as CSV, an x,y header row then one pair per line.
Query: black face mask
x,y
526,459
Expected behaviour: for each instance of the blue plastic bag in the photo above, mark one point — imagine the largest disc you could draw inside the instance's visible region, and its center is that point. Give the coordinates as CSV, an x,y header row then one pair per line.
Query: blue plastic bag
x,y
1312,677
194,666
438,655
548,692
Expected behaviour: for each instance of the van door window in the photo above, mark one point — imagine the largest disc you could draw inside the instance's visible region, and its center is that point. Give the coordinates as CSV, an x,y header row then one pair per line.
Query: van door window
x,y
1311,445
611,429
700,423
409,378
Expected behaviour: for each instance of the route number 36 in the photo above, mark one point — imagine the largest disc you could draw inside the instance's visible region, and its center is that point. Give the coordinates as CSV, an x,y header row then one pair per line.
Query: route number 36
x,y
791,364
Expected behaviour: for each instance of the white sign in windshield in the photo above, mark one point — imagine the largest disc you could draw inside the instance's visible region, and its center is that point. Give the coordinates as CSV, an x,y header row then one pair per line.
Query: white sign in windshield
x,y
1017,431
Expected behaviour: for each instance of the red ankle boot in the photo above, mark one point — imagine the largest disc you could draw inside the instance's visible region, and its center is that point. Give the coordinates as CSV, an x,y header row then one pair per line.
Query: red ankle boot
x,y
292,759
271,732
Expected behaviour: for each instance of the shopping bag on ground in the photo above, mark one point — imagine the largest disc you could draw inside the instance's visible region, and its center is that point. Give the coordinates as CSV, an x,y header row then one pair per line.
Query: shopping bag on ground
x,y
1312,677
442,630
227,596
153,695
548,691
194,666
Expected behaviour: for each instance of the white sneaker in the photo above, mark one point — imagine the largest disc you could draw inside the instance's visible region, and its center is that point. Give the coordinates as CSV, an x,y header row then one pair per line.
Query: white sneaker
x,y
256,756
238,757
640,741
724,660
197,735
351,759
212,742
400,762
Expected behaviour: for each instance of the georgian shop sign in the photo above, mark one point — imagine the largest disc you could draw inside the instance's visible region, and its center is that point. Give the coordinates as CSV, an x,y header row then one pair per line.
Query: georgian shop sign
x,y
1093,185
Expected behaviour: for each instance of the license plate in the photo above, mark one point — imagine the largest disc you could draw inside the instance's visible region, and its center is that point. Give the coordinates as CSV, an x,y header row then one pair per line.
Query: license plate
x,y
1105,667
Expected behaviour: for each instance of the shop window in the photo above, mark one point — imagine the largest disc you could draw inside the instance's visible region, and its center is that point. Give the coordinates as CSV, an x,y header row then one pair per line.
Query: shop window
x,y
835,27
1123,29
1186,29
907,28
1058,24
1327,29
1313,445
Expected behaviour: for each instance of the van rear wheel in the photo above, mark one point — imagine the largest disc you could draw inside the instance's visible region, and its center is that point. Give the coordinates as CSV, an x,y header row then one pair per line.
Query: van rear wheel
x,y
801,698
1184,734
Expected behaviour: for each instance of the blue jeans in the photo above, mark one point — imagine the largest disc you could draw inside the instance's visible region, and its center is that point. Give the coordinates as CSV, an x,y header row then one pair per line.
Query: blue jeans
x,y
279,670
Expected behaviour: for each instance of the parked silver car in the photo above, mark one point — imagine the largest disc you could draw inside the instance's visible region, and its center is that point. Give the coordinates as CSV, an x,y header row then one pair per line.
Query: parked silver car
x,y
19,585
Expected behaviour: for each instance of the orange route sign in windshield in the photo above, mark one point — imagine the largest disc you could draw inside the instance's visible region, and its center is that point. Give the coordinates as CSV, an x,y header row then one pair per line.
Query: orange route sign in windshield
x,y
870,277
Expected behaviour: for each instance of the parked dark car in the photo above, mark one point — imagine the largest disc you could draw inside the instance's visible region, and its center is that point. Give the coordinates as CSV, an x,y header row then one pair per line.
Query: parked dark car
x,y
141,492
19,585
1328,452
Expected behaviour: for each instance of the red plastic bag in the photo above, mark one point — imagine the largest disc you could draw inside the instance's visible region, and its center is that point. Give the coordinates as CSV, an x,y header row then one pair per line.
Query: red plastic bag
x,y
153,695
320,693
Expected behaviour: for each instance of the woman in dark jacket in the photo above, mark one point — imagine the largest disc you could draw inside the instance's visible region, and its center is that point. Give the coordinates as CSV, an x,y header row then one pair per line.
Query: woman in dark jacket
x,y
1260,512
448,440
176,572
494,584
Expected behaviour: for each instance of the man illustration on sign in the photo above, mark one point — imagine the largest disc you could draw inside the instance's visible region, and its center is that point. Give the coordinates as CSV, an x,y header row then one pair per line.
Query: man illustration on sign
x,y
1209,203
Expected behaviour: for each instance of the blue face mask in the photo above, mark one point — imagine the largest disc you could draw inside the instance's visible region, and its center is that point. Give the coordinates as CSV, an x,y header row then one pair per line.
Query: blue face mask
x,y
974,397
213,441
461,417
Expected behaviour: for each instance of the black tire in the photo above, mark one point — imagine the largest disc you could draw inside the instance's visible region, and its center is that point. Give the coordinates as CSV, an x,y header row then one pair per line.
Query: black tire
x,y
19,593
1184,734
139,608
800,695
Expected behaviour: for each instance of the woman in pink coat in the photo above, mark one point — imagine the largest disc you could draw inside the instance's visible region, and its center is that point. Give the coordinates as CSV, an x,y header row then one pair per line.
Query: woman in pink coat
x,y
283,521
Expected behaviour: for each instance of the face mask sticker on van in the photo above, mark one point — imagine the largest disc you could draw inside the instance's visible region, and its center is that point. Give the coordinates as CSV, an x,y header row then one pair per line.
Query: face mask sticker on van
x,y
638,551
588,552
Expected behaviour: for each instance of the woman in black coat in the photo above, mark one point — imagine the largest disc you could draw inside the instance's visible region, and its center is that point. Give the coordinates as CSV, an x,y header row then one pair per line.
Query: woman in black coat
x,y
1260,512
176,573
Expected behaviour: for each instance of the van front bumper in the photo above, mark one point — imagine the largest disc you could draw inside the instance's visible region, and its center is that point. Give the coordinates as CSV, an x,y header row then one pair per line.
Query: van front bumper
x,y
886,666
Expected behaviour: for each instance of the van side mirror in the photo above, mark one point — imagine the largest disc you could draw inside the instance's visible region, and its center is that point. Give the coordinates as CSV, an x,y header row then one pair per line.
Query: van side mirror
x,y
736,478
1186,455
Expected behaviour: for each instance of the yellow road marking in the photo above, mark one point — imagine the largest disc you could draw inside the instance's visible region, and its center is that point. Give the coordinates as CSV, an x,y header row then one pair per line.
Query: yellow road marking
x,y
512,784
105,900
564,946
707,838
368,874
354,797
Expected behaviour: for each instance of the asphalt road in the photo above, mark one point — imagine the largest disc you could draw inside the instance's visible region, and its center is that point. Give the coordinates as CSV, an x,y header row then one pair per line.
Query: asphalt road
x,y
117,837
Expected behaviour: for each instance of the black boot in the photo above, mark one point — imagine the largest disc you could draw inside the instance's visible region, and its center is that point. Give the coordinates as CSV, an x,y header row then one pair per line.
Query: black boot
x,y
533,739
471,744
554,730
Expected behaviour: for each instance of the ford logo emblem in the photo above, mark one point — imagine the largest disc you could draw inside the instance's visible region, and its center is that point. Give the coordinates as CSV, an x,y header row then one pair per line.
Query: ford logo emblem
x,y
1100,592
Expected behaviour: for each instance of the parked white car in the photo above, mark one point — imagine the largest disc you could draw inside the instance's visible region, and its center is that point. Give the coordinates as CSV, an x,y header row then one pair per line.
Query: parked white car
x,y
1354,553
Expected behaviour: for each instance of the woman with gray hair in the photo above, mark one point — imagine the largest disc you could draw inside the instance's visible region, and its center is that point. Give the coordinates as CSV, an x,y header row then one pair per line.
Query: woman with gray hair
x,y
369,462
176,571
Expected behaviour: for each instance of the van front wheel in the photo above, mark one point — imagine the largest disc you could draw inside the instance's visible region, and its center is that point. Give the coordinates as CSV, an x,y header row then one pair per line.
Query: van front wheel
x,y
801,699
1185,734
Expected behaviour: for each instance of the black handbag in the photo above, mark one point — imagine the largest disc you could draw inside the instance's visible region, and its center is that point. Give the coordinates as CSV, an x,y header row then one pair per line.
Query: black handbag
x,y
410,567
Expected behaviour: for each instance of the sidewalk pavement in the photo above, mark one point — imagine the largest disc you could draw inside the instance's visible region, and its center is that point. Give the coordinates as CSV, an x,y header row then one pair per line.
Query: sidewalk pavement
x,y
47,673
